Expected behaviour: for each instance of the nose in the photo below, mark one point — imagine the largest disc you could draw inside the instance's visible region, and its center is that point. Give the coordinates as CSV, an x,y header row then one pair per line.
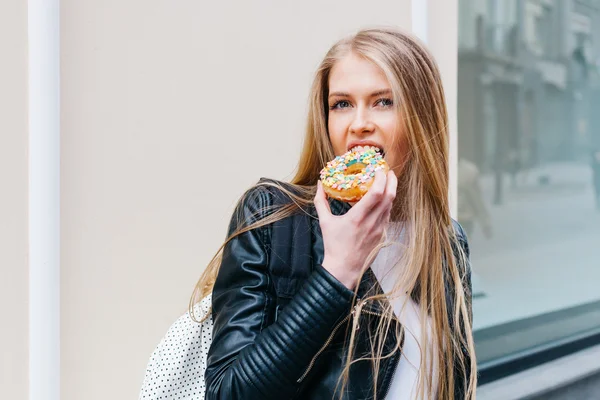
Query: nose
x,y
361,123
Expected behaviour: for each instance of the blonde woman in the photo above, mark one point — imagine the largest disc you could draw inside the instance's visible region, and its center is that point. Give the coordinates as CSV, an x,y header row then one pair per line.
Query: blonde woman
x,y
361,301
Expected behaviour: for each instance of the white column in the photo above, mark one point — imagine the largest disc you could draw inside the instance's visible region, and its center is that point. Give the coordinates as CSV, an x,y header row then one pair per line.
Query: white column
x,y
439,31
442,35
44,200
420,15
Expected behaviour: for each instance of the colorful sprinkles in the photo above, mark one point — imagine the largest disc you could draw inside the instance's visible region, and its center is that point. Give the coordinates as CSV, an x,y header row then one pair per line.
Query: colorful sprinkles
x,y
362,163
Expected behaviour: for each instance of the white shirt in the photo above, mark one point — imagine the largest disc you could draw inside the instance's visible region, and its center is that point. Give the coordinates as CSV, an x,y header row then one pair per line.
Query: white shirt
x,y
405,381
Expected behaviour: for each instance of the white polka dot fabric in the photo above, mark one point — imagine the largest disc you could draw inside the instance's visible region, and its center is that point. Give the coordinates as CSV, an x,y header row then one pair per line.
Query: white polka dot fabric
x,y
176,368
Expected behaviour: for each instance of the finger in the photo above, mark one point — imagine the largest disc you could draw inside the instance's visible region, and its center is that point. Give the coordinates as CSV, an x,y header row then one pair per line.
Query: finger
x,y
391,187
373,196
382,211
388,215
390,192
385,215
321,203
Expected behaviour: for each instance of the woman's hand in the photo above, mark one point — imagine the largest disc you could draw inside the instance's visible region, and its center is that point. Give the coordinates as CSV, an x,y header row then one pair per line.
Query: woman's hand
x,y
348,239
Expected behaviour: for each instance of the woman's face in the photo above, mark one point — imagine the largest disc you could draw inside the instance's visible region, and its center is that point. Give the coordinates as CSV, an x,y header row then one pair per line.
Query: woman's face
x,y
361,110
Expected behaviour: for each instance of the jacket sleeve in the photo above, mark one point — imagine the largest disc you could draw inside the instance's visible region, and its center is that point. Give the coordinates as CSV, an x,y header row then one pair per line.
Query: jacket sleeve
x,y
466,268
461,377
250,357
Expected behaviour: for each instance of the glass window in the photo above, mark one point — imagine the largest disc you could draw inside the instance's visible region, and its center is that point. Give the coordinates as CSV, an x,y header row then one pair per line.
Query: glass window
x,y
529,170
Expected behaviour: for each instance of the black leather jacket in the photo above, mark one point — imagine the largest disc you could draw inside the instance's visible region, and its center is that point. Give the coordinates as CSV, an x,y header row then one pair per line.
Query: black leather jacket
x,y
284,338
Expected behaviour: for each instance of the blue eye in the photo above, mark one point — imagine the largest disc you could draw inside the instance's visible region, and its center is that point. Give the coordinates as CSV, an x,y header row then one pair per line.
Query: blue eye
x,y
385,102
340,104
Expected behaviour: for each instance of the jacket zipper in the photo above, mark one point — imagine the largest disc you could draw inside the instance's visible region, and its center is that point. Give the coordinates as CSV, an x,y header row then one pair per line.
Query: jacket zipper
x,y
330,338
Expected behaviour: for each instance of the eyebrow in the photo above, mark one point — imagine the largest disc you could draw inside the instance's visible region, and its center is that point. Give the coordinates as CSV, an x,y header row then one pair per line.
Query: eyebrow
x,y
374,94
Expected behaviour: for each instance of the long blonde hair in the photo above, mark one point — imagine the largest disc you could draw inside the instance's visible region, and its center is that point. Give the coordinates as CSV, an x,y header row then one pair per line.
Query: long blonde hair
x,y
432,261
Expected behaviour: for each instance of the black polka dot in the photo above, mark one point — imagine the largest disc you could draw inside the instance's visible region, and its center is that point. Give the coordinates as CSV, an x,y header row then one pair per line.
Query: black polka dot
x,y
176,368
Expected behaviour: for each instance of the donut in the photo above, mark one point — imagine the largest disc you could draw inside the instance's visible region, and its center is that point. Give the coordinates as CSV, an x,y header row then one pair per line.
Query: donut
x,y
348,177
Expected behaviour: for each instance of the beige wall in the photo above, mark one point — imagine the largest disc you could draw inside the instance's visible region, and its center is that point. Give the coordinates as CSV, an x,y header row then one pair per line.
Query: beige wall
x,y
153,93
157,97
13,200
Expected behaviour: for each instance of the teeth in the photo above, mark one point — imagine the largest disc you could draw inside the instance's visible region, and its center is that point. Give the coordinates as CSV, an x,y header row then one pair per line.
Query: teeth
x,y
362,148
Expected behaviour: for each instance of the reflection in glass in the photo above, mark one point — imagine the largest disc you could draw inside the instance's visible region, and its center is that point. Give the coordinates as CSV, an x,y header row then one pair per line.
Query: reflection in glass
x,y
529,169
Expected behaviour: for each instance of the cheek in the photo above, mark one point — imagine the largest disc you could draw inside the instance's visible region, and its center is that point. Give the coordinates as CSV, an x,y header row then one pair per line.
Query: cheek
x,y
398,155
389,124
395,137
337,135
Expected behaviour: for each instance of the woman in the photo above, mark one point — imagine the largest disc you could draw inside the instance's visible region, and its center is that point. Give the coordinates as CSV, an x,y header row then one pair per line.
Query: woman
x,y
365,300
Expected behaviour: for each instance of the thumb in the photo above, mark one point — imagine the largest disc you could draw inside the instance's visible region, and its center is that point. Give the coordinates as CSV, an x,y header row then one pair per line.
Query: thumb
x,y
321,203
